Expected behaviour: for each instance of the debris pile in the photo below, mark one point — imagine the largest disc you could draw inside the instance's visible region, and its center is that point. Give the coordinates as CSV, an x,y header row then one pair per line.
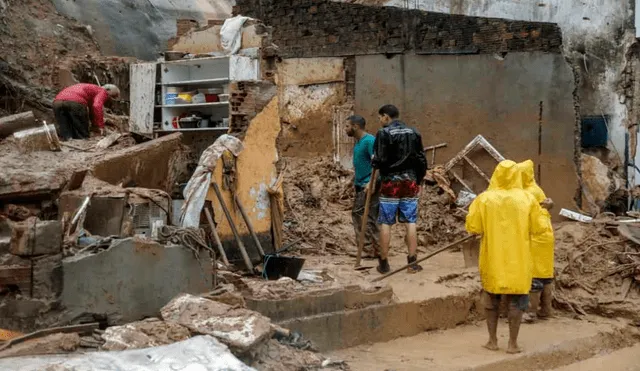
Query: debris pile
x,y
318,200
598,267
42,52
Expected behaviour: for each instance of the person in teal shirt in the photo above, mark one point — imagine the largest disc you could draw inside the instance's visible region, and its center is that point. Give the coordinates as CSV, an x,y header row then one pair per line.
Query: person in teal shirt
x,y
362,154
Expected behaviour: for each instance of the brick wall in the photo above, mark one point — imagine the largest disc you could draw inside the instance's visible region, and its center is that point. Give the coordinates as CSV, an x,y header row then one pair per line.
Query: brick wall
x,y
315,28
247,99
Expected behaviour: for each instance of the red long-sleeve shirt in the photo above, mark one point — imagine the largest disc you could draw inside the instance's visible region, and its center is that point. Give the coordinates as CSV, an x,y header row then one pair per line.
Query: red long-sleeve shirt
x,y
91,96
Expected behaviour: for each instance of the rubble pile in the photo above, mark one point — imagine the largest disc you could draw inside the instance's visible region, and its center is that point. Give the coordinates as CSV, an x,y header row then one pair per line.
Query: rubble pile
x,y
43,51
248,334
317,196
598,268
318,200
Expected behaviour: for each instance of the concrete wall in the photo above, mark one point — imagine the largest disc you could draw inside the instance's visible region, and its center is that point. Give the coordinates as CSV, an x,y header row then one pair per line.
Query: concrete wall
x,y
596,36
132,280
255,172
308,91
139,28
454,98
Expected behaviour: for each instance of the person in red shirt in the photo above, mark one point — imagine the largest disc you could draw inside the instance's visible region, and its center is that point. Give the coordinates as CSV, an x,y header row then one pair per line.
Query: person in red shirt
x,y
78,105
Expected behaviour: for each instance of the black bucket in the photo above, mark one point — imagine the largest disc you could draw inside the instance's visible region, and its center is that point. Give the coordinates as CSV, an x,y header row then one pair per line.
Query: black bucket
x,y
276,266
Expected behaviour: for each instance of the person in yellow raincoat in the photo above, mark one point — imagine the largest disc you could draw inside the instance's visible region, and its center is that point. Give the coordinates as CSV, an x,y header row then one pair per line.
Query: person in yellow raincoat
x,y
506,216
542,249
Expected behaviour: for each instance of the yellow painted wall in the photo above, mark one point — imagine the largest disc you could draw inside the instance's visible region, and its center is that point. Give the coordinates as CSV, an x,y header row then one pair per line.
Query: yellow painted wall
x,y
255,172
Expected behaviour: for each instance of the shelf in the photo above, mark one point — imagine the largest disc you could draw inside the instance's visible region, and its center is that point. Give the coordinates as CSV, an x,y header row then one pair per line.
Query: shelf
x,y
226,128
195,82
193,105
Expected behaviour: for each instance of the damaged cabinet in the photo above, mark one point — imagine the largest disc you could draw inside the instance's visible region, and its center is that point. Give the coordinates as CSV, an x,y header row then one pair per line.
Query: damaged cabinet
x,y
143,81
187,94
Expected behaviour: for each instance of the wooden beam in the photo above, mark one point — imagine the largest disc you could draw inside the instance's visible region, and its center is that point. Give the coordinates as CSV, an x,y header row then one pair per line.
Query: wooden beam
x,y
477,169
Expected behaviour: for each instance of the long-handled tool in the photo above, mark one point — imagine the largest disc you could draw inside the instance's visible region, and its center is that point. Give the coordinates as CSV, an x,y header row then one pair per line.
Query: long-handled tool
x,y
365,215
249,225
214,233
245,256
453,244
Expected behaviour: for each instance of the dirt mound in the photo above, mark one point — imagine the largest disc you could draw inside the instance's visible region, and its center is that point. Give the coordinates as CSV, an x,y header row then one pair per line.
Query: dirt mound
x,y
318,199
43,51
597,269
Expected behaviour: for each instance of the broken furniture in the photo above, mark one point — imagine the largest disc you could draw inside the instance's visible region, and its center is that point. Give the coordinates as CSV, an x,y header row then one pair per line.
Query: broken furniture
x,y
124,213
194,90
434,148
478,141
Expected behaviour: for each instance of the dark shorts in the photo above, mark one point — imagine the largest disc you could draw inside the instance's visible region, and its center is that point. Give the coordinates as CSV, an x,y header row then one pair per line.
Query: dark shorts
x,y
399,201
73,119
357,212
492,301
537,284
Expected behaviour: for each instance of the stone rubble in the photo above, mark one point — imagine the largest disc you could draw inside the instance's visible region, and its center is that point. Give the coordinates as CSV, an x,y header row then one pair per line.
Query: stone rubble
x,y
241,329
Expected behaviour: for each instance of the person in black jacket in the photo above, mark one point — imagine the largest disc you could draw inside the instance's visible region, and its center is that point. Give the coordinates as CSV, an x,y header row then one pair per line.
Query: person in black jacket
x,y
399,156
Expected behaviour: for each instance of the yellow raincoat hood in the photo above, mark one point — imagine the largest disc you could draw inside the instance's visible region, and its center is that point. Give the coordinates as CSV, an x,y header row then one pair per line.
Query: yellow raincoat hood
x,y
542,246
506,216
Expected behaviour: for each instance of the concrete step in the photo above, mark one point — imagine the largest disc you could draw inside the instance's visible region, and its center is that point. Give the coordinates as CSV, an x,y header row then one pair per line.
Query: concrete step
x,y
547,345
626,359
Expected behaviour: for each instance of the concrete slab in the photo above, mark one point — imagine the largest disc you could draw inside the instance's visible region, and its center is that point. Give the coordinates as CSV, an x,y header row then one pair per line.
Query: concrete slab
x,y
148,165
548,344
319,302
132,279
621,360
348,328
147,333
240,329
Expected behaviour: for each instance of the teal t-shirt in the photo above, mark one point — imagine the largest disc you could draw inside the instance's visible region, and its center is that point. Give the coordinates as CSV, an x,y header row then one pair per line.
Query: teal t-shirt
x,y
362,152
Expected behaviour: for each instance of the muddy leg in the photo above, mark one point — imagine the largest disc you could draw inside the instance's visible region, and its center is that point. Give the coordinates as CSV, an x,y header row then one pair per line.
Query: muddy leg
x,y
534,304
385,238
545,301
492,326
515,318
492,305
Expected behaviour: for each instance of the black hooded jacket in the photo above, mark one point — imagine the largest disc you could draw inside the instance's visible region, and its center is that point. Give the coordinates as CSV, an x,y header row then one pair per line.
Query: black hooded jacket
x,y
398,150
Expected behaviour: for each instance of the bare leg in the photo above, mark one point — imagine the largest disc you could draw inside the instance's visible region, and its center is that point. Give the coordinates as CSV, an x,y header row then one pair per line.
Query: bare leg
x,y
492,326
534,304
515,318
385,237
412,238
546,299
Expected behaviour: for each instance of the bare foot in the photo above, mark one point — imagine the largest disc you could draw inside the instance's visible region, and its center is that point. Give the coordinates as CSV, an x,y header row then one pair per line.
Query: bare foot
x,y
491,346
514,350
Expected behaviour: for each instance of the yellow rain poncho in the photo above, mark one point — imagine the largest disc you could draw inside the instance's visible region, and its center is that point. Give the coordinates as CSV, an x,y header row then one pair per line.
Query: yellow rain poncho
x,y
506,216
542,245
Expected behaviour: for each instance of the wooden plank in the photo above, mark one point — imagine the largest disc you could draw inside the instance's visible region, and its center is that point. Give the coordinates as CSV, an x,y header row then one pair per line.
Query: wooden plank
x,y
476,168
459,179
342,143
143,85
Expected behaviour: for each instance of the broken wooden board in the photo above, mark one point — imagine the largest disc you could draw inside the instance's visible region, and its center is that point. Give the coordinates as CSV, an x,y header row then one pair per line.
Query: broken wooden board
x,y
108,141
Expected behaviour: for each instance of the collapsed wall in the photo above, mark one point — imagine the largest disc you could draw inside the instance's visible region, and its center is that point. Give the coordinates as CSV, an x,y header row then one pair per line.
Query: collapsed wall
x,y
452,76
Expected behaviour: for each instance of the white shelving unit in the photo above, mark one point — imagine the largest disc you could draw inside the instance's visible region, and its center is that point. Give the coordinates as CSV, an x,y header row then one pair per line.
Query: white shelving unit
x,y
192,75
150,83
